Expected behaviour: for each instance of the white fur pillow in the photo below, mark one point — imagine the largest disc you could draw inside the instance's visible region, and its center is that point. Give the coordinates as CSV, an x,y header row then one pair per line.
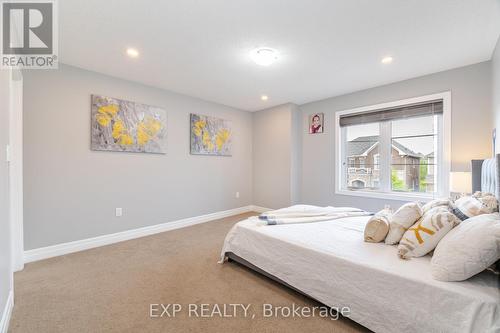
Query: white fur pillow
x,y
470,248
401,220
425,234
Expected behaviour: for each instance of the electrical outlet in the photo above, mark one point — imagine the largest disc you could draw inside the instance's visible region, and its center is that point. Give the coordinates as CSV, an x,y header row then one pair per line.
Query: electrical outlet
x,y
118,212
237,195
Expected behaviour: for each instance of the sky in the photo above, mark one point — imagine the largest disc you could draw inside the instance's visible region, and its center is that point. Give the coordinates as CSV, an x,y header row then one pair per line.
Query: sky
x,y
403,127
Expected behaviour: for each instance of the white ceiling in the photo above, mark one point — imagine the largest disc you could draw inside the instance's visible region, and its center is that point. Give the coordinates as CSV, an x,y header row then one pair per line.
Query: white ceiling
x,y
201,47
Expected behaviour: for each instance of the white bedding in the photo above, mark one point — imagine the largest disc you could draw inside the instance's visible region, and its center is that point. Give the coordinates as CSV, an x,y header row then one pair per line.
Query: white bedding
x,y
330,262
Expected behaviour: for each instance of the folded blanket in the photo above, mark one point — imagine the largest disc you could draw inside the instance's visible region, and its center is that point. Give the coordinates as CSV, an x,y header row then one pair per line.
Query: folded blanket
x,y
305,211
308,214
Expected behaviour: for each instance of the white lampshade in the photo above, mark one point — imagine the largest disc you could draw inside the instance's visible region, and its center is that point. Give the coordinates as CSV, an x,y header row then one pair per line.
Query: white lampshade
x,y
461,182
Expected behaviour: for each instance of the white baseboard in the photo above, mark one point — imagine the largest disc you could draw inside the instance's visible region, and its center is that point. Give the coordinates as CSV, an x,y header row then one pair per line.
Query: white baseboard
x,y
260,209
89,243
7,312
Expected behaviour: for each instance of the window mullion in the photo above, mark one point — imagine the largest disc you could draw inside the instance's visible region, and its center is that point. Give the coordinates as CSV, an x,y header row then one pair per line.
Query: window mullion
x,y
344,164
385,156
438,150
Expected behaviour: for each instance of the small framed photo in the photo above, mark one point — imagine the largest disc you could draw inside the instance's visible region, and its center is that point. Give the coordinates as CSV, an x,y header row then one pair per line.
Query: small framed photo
x,y
316,123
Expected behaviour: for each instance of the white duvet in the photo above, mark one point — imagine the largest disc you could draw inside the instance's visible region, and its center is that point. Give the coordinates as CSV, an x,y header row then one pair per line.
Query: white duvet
x,y
330,262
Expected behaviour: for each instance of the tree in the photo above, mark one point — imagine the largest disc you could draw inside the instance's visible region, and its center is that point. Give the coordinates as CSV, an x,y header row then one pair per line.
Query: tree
x,y
423,175
397,183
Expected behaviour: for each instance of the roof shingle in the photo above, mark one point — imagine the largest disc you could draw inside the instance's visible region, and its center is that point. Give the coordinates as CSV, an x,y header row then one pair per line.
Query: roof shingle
x,y
362,144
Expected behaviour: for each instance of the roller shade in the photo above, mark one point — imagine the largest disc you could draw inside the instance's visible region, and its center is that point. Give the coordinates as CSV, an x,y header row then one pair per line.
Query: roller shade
x,y
407,111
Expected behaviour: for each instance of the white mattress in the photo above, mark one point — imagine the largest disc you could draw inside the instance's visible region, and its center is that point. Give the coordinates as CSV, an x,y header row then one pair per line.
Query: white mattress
x,y
330,262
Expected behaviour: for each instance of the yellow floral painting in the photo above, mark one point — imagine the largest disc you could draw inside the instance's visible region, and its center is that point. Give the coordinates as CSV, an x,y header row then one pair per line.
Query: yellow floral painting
x,y
210,136
119,125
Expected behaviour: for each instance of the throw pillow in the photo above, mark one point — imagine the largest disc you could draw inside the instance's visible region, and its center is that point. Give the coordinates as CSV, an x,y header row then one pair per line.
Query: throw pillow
x,y
377,226
401,220
425,234
468,249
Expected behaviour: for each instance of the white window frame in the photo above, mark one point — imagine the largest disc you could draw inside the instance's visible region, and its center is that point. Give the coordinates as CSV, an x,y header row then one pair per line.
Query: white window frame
x,y
443,160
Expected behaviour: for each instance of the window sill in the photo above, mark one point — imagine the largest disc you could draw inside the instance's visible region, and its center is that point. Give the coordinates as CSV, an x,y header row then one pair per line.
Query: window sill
x,y
390,196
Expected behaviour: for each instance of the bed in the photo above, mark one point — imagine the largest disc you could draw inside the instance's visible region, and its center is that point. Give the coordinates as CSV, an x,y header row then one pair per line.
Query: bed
x,y
329,262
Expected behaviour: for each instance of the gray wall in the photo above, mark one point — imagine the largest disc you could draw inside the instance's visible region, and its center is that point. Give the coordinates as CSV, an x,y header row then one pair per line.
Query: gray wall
x,y
472,125
296,155
495,64
271,157
5,249
276,157
71,192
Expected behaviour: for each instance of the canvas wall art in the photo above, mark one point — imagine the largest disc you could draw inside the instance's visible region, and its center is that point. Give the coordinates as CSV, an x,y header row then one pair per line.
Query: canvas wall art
x,y
210,136
119,125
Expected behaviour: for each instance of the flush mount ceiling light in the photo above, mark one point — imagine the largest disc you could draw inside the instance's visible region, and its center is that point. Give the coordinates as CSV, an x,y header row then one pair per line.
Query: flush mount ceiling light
x,y
387,60
132,53
264,56
264,97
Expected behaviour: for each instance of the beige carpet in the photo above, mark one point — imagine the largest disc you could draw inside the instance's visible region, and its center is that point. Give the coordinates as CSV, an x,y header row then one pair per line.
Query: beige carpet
x,y
110,289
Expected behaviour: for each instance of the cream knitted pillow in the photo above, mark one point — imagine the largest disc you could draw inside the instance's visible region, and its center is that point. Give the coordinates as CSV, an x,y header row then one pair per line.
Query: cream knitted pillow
x,y
477,204
377,226
401,220
488,199
425,234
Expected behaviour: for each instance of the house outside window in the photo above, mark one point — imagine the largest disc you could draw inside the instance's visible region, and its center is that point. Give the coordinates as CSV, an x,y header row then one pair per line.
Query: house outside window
x,y
362,161
395,150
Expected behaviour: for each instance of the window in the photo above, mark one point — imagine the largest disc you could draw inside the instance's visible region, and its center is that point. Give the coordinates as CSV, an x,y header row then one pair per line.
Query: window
x,y
363,140
414,141
362,162
397,149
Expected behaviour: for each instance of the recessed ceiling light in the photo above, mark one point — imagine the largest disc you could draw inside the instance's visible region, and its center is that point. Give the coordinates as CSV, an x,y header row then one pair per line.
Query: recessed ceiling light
x,y
264,97
264,56
133,53
387,60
